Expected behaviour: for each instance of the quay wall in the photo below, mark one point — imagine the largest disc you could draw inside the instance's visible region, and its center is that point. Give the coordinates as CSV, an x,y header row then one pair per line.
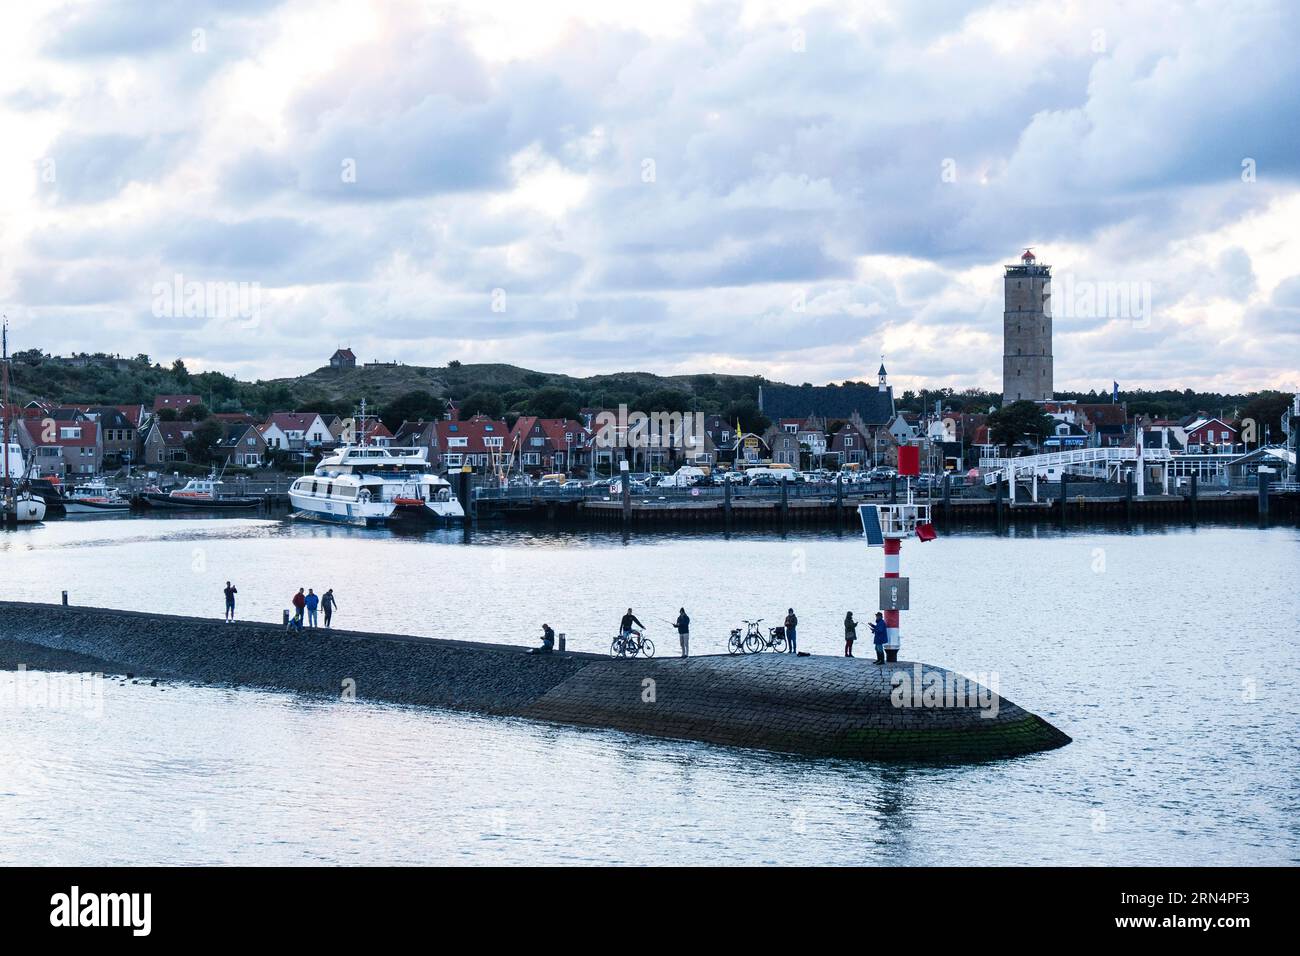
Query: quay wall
x,y
816,706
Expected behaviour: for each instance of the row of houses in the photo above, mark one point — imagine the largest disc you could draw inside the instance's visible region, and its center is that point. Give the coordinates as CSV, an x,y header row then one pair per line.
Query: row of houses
x,y
84,440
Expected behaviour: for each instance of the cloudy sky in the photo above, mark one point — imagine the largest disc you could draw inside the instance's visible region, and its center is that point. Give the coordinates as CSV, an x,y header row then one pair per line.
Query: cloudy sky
x,y
784,188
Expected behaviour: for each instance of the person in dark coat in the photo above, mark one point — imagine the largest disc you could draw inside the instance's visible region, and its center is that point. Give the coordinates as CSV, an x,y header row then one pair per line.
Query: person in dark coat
x,y
850,633
625,625
548,641
684,632
879,636
791,622
328,604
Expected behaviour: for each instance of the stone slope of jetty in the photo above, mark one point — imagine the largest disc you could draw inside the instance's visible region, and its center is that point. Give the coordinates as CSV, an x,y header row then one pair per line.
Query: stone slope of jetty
x,y
819,706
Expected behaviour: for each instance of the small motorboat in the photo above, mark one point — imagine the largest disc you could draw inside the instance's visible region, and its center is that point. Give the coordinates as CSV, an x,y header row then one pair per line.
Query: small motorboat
x,y
199,494
94,497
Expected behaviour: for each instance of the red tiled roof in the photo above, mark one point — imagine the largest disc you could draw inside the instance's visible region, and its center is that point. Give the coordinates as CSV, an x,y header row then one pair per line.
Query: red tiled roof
x,y
475,430
292,421
88,438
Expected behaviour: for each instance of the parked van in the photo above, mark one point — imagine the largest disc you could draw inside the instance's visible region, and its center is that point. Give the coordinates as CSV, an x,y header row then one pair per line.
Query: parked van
x,y
684,477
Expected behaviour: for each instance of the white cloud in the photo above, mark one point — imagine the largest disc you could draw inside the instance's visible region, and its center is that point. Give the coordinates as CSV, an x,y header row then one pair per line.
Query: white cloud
x,y
654,184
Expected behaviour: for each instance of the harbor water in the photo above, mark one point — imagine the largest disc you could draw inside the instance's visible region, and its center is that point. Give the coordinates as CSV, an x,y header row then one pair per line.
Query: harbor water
x,y
1166,653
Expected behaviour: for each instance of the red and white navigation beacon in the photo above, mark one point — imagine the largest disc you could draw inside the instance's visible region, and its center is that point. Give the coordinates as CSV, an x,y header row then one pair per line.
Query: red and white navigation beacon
x,y
886,526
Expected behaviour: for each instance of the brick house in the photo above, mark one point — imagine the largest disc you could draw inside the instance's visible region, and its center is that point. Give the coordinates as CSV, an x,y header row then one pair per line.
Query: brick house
x,y
547,445
851,445
66,442
783,444
165,442
479,442
241,444
418,434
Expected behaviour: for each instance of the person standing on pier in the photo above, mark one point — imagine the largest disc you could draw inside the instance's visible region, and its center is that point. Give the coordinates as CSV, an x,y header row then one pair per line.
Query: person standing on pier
x,y
231,591
299,602
684,631
791,622
328,604
312,600
880,636
850,633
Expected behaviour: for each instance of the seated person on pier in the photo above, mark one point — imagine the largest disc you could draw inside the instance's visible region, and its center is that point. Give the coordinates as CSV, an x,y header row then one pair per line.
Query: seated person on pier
x,y
548,641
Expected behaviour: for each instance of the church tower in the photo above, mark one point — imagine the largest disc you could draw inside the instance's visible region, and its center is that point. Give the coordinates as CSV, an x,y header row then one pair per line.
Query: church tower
x,y
1027,331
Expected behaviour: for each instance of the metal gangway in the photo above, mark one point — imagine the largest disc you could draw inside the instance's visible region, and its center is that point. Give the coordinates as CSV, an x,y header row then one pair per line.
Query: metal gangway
x,y
1104,463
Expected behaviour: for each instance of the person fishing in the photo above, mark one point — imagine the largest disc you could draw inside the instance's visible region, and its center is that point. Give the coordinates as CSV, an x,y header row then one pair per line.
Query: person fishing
x,y
850,633
328,604
684,631
625,625
879,636
791,622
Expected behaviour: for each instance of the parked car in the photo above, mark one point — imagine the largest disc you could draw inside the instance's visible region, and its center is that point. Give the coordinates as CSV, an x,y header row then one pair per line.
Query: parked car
x,y
573,484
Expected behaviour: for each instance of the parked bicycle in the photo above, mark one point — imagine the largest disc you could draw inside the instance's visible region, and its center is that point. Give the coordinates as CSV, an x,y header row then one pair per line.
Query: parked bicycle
x,y
754,641
633,644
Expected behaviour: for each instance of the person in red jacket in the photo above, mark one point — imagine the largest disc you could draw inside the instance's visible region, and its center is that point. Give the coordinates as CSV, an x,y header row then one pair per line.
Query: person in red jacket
x,y
299,602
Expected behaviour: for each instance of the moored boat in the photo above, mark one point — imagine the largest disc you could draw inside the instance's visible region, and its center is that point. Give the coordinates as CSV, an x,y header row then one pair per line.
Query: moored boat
x,y
373,485
94,497
200,494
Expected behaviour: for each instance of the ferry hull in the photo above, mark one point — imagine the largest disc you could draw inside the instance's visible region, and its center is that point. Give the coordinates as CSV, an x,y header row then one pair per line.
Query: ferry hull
x,y
357,514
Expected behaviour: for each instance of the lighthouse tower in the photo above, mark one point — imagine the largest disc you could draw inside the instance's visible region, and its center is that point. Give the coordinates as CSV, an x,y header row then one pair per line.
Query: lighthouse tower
x,y
1027,331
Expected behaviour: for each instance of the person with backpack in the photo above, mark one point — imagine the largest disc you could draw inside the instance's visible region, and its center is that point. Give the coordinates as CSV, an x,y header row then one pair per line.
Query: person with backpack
x,y
791,622
328,604
850,633
684,631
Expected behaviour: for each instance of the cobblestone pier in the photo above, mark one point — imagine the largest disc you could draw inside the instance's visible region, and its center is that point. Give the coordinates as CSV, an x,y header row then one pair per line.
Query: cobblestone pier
x,y
818,706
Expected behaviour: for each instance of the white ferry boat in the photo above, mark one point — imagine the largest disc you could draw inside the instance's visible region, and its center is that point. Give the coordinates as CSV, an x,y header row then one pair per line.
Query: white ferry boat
x,y
374,485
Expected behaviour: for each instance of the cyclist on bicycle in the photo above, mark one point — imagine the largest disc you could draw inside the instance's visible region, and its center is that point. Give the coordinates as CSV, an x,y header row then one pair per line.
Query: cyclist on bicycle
x,y
625,625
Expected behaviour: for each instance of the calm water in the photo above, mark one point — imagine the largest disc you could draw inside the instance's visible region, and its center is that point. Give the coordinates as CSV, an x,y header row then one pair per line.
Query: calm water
x,y
1169,655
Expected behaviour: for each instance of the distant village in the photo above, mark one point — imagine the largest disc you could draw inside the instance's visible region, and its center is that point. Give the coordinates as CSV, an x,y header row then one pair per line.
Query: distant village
x,y
853,426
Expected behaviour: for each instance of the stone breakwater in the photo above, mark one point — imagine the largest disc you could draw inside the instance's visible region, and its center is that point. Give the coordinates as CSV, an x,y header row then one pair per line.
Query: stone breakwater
x,y
820,706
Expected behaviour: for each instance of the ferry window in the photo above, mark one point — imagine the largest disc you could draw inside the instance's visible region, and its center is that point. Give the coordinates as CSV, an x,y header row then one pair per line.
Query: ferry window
x,y
329,487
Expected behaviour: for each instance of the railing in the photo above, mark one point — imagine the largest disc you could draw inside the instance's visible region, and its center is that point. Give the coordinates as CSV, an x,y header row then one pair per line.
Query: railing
x,y
994,468
823,491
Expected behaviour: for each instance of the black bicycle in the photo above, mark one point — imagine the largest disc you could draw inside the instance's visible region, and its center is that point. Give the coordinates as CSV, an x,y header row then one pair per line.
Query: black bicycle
x,y
632,644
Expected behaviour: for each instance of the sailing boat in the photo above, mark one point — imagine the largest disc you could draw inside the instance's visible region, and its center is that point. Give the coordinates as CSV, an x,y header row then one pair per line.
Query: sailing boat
x,y
20,504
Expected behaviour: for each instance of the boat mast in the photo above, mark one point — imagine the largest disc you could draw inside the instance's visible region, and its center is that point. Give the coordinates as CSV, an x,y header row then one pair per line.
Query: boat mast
x,y
4,412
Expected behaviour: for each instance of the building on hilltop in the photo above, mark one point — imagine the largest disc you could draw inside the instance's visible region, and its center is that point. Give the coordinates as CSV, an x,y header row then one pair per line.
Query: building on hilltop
x,y
1027,331
343,358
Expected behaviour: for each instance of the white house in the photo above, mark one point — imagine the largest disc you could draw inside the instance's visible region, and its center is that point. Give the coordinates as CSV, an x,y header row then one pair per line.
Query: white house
x,y
295,431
